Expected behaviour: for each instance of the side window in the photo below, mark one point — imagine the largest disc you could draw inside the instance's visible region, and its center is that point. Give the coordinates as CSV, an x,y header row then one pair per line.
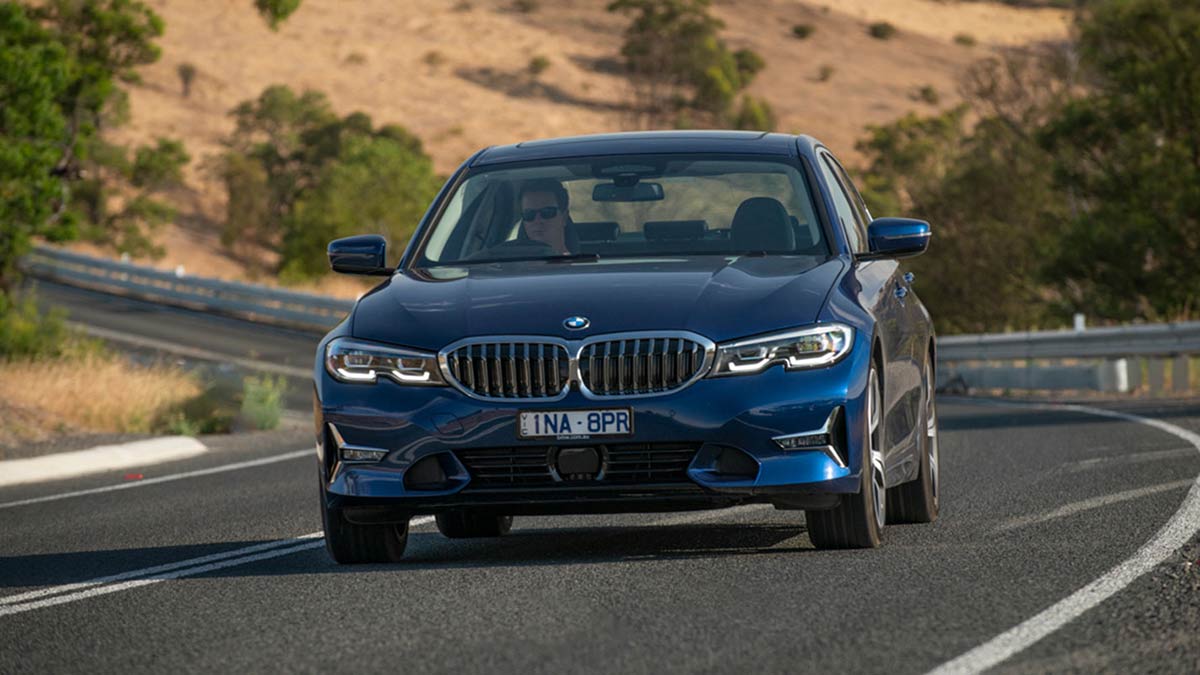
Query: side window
x,y
854,229
856,199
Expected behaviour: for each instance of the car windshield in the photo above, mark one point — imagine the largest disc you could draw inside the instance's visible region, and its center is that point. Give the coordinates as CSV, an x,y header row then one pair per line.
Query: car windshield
x,y
633,206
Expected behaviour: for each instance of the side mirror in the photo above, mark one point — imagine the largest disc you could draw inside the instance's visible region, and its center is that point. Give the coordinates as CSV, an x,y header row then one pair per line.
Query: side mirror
x,y
361,254
896,238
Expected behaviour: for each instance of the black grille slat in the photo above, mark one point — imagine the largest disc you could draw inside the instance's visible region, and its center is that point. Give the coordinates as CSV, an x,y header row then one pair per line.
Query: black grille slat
x,y
510,370
640,366
624,464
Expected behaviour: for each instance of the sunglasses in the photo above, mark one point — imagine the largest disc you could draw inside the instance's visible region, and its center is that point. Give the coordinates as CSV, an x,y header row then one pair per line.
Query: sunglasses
x,y
546,212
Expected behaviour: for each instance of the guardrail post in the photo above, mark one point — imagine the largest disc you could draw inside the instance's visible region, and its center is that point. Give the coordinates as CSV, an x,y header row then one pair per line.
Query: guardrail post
x,y
1113,376
1155,371
1179,374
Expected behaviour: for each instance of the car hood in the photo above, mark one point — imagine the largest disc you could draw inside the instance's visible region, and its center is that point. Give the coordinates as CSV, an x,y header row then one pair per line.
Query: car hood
x,y
717,297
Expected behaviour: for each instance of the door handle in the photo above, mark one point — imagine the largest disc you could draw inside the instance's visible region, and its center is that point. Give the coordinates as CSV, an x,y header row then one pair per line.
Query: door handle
x,y
901,291
908,277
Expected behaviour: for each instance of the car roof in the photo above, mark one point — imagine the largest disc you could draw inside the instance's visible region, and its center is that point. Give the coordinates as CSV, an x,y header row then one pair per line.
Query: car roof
x,y
647,142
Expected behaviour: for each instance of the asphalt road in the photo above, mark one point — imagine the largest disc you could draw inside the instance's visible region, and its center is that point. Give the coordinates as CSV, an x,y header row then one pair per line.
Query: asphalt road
x,y
1037,504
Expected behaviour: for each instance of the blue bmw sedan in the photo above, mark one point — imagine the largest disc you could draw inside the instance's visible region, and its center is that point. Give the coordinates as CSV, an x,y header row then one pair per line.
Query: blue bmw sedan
x,y
634,322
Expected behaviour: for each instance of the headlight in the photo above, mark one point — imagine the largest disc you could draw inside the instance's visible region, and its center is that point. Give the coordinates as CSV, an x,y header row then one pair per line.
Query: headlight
x,y
807,348
350,360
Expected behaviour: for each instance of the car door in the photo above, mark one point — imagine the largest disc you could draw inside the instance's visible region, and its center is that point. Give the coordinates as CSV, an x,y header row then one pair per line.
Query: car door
x,y
884,292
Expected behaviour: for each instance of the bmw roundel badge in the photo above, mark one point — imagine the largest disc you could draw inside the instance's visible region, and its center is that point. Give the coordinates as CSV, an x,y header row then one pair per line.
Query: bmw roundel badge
x,y
576,322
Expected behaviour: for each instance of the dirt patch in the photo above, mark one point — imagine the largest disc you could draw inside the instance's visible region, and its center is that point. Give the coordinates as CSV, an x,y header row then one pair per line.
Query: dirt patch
x,y
457,75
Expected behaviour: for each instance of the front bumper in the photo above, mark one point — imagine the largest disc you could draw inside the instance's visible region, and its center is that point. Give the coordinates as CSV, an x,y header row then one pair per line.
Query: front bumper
x,y
714,416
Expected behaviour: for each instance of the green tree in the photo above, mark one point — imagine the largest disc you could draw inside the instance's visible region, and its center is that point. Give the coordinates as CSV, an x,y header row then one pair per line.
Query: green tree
x,y
988,190
276,11
377,185
682,72
1128,160
298,175
35,73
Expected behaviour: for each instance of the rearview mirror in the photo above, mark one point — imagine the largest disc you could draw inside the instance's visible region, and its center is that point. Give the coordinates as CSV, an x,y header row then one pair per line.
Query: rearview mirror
x,y
361,254
638,192
896,238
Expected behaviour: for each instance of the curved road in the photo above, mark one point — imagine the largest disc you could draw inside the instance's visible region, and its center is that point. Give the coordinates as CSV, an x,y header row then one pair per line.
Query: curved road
x,y
1037,504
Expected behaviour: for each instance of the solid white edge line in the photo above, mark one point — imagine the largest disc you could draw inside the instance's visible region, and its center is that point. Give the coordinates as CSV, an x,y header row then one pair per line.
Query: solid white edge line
x,y
163,479
62,465
152,575
65,593
1177,532
148,571
8,610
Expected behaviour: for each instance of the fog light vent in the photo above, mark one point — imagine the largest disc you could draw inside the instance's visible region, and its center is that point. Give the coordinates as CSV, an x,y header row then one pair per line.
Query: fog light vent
x,y
427,474
735,463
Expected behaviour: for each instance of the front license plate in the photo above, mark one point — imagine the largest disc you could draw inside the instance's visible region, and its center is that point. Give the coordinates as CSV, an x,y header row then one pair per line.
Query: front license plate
x,y
576,423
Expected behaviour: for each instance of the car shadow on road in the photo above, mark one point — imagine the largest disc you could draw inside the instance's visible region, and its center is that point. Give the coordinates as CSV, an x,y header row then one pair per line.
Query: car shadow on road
x,y
430,550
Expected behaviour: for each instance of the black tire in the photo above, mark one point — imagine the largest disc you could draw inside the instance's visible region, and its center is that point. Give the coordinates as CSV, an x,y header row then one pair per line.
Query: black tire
x,y
917,501
351,544
464,525
856,522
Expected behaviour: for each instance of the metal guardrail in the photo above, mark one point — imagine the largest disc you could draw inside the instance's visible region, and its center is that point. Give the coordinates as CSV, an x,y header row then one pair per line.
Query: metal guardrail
x,y
252,301
1115,358
1159,339
973,361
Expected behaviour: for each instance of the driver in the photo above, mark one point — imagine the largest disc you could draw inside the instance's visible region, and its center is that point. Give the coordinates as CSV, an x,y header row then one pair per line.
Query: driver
x,y
544,213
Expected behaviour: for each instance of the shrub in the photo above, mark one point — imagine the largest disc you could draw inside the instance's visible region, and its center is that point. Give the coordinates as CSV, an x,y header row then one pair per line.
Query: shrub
x,y
927,94
526,6
262,400
433,58
679,66
825,72
965,39
754,115
881,30
538,65
27,333
356,58
187,73
802,30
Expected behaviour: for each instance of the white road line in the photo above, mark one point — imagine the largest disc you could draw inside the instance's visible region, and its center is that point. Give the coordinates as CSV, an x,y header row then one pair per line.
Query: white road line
x,y
702,516
1134,458
163,479
1178,530
8,610
1094,503
149,571
143,342
63,594
82,590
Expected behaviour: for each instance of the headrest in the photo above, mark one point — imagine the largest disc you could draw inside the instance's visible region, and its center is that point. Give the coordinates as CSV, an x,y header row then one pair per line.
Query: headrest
x,y
598,231
660,230
762,224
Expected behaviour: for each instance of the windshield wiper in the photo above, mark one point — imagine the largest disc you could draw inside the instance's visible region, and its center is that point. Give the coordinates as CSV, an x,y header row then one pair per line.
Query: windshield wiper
x,y
573,257
570,257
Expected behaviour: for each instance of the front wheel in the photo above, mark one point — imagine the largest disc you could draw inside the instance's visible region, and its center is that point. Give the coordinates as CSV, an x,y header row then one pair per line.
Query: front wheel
x,y
352,544
857,521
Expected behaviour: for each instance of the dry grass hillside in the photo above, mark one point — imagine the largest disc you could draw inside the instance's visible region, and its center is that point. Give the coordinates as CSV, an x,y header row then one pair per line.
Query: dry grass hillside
x,y
456,73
